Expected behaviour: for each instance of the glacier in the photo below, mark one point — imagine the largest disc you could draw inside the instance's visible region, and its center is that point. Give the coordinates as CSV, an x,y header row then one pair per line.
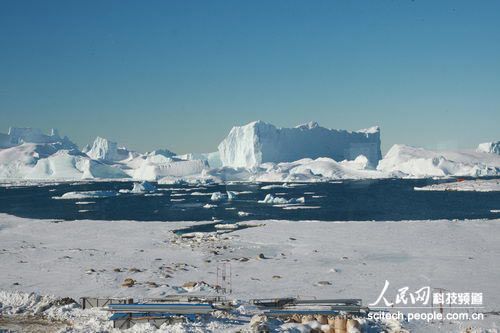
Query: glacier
x,y
259,142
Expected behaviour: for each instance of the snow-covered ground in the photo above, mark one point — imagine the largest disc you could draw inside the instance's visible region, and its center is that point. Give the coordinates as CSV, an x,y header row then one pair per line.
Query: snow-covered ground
x,y
272,259
477,185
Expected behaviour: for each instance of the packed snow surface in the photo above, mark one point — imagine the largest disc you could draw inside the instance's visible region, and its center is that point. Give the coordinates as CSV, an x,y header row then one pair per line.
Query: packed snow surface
x,y
480,185
272,259
259,142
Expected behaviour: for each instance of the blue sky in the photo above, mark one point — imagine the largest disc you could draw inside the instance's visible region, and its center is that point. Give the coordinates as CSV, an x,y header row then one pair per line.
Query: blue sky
x,y
180,74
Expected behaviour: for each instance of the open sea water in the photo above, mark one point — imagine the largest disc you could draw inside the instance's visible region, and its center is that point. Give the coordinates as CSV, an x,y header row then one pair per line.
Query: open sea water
x,y
356,200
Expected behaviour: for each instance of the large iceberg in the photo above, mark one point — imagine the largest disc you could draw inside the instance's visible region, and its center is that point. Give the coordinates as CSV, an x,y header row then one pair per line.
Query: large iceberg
x,y
37,161
407,161
30,154
489,147
259,142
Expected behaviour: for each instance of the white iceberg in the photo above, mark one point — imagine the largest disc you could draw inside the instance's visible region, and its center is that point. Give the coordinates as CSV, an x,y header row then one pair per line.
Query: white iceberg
x,y
407,161
489,147
87,195
219,196
271,199
259,142
105,150
140,188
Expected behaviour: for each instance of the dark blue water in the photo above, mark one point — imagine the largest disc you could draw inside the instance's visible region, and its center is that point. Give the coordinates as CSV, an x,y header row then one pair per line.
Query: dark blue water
x,y
389,199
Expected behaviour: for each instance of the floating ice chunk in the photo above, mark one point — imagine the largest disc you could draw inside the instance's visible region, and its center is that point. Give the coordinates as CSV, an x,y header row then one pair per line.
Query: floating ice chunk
x,y
270,199
478,185
226,226
231,195
140,188
242,214
209,206
270,187
87,195
301,207
218,196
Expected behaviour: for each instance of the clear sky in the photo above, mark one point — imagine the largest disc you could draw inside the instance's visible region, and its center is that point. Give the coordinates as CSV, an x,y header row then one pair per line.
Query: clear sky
x,y
180,74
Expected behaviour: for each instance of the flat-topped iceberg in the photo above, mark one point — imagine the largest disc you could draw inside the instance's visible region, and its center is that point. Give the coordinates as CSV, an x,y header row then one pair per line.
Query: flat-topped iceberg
x,y
259,142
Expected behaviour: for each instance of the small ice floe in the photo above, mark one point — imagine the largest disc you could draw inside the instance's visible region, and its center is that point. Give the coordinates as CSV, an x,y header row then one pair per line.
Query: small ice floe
x,y
301,207
226,226
296,184
154,194
177,200
140,188
271,199
478,185
177,194
272,186
208,206
83,210
230,208
242,192
84,202
495,211
87,195
318,196
309,193
200,193
242,214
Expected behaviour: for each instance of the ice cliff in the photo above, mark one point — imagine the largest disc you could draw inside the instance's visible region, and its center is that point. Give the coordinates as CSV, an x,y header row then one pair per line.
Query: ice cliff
x,y
259,142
